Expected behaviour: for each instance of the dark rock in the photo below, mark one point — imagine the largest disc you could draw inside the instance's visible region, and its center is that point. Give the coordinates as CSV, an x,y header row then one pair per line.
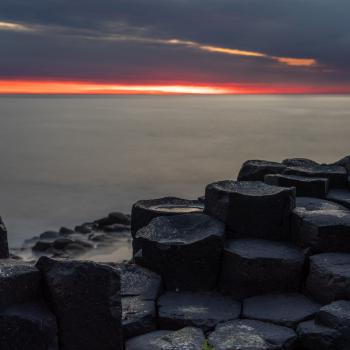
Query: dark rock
x,y
49,235
337,175
62,243
337,316
20,282
139,316
4,248
184,339
116,228
253,266
113,218
42,246
329,277
65,231
252,335
202,310
340,196
28,327
99,237
138,258
299,162
344,162
184,249
305,186
85,298
313,336
85,228
283,309
323,231
255,170
251,208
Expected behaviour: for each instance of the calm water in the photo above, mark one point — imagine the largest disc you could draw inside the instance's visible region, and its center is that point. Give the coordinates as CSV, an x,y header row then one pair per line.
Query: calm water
x,y
67,160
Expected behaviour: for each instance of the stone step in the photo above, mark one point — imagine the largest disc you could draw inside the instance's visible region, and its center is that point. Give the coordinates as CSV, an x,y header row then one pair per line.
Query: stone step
x,y
251,208
184,249
252,335
202,310
255,170
299,162
28,326
184,339
282,309
337,175
305,186
340,196
20,282
254,266
323,231
329,277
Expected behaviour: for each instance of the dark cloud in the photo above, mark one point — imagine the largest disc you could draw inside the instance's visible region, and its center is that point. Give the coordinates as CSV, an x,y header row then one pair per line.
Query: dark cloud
x,y
74,39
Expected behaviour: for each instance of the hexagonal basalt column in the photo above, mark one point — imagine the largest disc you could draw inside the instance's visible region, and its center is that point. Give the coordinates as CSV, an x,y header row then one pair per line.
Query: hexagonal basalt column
x,y
254,266
185,249
4,248
251,208
255,170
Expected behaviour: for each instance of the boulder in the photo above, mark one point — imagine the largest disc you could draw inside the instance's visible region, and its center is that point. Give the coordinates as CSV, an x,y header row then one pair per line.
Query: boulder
x,y
42,246
85,298
252,335
251,208
138,317
201,310
20,282
4,248
329,277
313,336
62,243
84,228
49,235
344,162
299,162
184,339
66,231
184,249
323,231
282,309
337,175
29,326
305,186
254,266
340,196
113,218
255,170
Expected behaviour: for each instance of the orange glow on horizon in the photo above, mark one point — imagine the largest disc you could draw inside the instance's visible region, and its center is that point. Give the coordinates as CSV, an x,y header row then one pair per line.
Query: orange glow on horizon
x,y
86,88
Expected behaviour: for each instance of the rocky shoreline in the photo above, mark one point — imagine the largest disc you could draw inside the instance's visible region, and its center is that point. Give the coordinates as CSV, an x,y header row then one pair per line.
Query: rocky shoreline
x,y
261,263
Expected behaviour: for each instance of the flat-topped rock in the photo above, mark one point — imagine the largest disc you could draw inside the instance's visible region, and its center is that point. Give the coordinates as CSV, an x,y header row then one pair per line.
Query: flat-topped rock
x,y
254,266
202,310
138,317
85,298
255,170
20,282
303,205
299,162
251,208
282,309
28,326
340,196
313,336
184,339
305,186
344,162
337,175
323,231
4,248
252,335
184,249
329,277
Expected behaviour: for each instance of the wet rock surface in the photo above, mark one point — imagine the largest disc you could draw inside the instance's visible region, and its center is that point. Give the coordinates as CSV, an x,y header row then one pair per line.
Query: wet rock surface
x,y
329,277
340,196
188,338
305,186
201,310
254,266
4,248
29,326
88,317
252,335
282,309
255,170
184,249
251,208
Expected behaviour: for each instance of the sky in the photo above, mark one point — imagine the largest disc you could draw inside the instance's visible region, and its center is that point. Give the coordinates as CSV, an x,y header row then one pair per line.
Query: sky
x,y
174,46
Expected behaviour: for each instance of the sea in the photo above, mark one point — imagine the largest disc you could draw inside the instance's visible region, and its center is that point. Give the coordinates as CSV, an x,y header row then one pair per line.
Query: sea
x,y
66,160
